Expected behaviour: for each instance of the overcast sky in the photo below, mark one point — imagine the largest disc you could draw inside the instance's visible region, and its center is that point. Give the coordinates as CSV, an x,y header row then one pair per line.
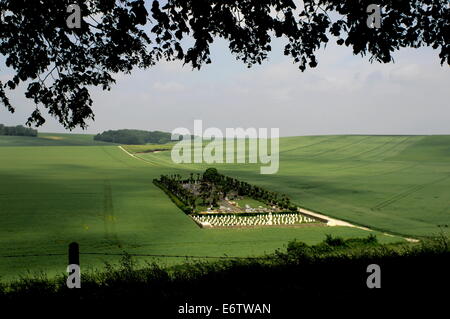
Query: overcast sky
x,y
345,94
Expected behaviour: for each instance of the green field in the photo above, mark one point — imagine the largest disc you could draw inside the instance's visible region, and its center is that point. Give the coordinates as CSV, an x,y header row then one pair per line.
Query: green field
x,y
51,139
148,148
69,188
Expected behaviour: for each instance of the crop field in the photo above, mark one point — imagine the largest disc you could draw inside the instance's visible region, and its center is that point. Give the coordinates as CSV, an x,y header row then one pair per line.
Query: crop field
x,y
61,188
51,139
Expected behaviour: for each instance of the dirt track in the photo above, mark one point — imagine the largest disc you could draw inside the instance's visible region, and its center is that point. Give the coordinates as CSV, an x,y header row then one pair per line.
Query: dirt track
x,y
336,222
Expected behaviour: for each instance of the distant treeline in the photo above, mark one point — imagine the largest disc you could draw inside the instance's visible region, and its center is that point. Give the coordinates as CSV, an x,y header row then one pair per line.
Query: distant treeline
x,y
18,130
134,137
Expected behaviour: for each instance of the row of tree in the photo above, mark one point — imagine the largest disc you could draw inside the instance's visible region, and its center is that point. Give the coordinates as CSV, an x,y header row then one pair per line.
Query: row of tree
x,y
228,184
210,187
18,130
133,137
175,187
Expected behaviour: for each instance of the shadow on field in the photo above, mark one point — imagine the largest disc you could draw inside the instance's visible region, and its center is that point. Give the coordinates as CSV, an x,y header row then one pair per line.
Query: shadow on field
x,y
330,277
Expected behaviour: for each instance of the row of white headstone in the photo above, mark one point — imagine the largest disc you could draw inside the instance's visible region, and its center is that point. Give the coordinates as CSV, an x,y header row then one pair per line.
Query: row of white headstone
x,y
233,220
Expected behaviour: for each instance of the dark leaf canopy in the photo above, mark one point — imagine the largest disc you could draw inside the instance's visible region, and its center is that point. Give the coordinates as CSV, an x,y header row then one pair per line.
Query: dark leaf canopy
x,y
60,64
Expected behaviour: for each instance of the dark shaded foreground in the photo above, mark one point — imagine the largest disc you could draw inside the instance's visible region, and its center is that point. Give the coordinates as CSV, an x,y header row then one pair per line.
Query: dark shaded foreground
x,y
328,278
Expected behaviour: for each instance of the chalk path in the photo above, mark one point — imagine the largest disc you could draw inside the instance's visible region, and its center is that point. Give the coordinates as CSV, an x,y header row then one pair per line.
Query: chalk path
x,y
336,222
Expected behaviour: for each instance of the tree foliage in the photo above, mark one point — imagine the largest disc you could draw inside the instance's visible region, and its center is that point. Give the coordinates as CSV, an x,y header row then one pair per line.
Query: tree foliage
x,y
214,187
59,64
133,137
211,175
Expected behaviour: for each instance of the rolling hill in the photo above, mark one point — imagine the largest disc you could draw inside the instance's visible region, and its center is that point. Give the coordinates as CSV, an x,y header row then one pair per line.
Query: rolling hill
x,y
69,188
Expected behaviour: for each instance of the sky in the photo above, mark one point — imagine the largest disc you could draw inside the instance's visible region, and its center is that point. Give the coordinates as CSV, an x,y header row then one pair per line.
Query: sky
x,y
345,94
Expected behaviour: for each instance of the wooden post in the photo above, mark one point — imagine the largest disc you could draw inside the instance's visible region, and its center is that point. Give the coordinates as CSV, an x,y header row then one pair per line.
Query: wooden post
x,y
74,278
74,254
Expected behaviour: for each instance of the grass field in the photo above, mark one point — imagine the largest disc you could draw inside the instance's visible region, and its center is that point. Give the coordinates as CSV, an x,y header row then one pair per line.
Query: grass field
x,y
51,139
69,188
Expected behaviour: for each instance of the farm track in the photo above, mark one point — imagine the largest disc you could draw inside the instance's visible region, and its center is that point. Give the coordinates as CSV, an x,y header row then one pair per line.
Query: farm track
x,y
156,162
149,159
135,156
333,222
107,152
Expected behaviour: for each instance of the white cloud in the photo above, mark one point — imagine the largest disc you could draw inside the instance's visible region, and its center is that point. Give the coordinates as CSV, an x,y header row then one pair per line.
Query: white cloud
x,y
406,72
170,86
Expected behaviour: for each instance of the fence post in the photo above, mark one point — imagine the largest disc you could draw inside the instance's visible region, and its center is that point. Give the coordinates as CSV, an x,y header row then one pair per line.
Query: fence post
x,y
74,254
74,277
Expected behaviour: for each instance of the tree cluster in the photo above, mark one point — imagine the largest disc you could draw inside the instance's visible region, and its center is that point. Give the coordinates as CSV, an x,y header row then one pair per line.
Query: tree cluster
x,y
211,186
134,137
174,185
18,130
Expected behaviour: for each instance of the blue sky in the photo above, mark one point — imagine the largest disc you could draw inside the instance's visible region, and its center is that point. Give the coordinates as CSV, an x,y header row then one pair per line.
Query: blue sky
x,y
345,94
